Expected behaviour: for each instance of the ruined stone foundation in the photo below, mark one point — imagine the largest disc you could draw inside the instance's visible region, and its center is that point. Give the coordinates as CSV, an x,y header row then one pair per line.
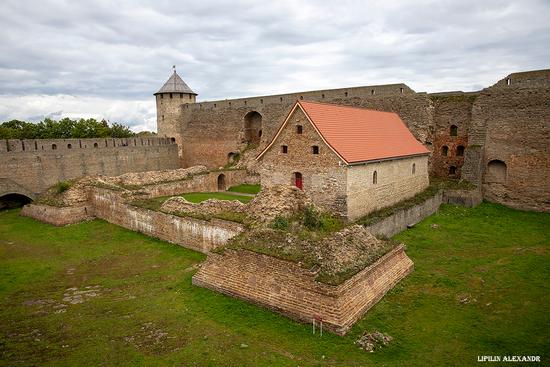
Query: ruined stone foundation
x,y
285,287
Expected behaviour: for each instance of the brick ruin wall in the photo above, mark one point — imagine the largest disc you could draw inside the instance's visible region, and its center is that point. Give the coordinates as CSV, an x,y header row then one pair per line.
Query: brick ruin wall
x,y
196,234
39,164
285,287
396,180
58,216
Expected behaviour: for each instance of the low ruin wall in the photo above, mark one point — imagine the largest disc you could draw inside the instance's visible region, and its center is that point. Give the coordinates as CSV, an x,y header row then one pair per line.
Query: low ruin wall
x,y
58,216
285,287
196,234
398,222
468,198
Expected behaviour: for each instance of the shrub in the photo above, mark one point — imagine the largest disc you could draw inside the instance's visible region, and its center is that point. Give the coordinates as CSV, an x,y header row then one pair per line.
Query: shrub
x,y
62,186
280,223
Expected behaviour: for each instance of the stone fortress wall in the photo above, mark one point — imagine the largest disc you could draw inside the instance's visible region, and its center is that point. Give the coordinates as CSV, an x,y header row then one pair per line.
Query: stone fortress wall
x,y
35,165
504,126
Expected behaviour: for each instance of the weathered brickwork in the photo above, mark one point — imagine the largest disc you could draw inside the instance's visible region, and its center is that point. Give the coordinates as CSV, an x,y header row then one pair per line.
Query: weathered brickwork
x,y
323,174
287,288
39,164
58,216
196,234
376,185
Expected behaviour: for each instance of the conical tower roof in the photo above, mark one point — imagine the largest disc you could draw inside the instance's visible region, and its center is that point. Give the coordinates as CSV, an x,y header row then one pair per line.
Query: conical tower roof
x,y
175,84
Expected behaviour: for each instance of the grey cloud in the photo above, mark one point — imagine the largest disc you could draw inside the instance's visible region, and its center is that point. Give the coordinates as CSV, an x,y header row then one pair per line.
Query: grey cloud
x,y
101,52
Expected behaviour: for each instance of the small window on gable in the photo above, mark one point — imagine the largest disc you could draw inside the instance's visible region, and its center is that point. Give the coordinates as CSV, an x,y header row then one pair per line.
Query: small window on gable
x,y
508,81
460,151
454,130
301,97
299,129
315,149
401,90
284,149
444,150
375,178
414,168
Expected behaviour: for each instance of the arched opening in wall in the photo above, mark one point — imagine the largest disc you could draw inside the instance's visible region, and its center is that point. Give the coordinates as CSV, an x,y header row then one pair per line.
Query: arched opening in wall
x,y
375,178
252,127
444,150
95,145
173,140
454,130
452,170
54,146
69,146
414,168
13,200
496,172
221,182
460,151
298,180
233,157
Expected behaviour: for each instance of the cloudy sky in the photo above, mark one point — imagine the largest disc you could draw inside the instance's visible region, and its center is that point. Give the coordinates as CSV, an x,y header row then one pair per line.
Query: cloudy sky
x,y
105,59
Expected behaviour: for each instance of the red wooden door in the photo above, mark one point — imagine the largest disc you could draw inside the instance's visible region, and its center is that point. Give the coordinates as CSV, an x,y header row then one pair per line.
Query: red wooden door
x,y
298,180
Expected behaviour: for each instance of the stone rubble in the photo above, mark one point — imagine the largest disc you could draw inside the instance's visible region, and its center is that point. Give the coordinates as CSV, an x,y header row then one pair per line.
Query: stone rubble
x,y
372,341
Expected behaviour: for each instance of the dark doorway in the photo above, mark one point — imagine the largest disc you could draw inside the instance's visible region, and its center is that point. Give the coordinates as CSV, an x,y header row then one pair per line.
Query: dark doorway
x,y
298,181
221,182
10,201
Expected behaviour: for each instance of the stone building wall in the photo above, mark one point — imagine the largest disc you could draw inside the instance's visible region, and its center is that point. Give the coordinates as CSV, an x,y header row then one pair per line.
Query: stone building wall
x,y
323,174
58,216
395,181
39,164
450,109
285,287
514,156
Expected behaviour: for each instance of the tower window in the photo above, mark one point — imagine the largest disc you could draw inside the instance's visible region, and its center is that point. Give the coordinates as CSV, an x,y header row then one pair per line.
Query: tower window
x,y
281,98
161,96
460,151
190,97
54,146
284,149
508,81
170,95
162,117
69,146
346,94
444,150
452,170
414,168
315,149
375,178
181,95
454,130
95,145
401,90
299,129
323,95
372,92
261,101
301,97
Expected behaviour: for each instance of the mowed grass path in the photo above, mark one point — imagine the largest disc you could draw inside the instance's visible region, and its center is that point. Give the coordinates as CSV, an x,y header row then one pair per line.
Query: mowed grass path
x,y
146,312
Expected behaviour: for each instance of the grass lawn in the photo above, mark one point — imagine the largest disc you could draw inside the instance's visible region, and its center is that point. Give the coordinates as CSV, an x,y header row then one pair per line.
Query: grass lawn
x,y
246,189
197,197
141,308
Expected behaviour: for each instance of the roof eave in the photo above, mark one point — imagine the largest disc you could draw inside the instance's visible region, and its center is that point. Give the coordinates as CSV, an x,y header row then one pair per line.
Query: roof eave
x,y
358,163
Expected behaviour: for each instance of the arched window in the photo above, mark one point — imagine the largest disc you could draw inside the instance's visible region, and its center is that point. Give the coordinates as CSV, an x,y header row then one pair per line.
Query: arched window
x,y
252,126
315,149
69,146
444,150
452,170
454,130
496,171
95,145
298,180
460,151
414,168
54,146
260,134
173,140
375,178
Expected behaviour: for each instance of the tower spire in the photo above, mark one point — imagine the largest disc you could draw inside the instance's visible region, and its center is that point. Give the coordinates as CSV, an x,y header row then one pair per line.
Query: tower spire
x,y
174,67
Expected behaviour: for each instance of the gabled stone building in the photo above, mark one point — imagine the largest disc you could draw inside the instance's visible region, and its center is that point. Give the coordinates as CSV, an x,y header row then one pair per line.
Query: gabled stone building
x,y
350,160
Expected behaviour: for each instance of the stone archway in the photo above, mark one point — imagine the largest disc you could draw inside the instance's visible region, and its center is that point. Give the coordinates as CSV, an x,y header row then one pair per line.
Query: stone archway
x,y
13,200
496,172
252,127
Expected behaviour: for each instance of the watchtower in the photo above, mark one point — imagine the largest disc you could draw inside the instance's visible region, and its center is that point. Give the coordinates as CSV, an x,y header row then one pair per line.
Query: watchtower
x,y
170,97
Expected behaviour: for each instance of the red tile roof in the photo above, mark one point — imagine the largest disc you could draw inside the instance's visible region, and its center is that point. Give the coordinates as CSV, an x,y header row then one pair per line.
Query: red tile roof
x,y
358,134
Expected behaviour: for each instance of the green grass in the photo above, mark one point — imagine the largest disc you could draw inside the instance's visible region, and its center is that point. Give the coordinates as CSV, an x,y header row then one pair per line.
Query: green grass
x,y
148,313
197,197
246,189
